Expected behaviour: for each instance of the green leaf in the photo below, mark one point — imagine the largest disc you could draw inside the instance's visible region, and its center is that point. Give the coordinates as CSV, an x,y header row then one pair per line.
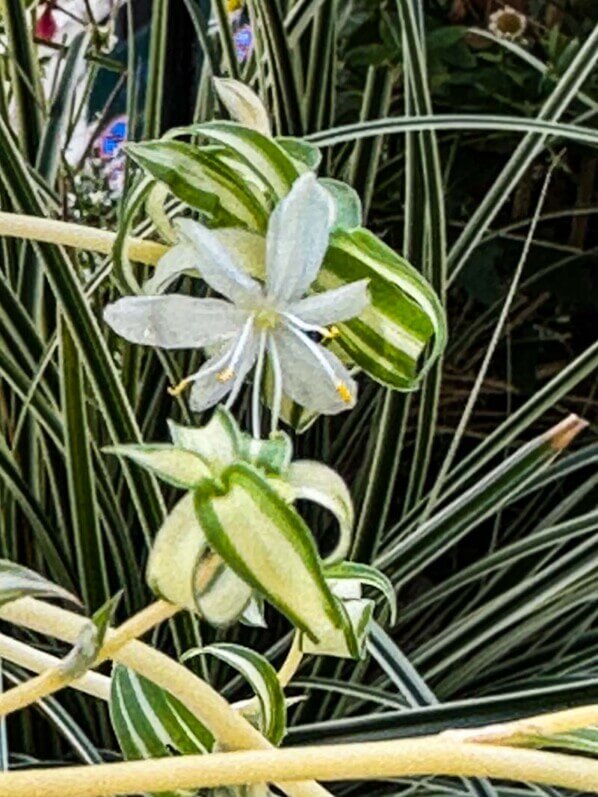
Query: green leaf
x,y
17,582
317,482
262,678
365,574
272,456
390,337
268,545
347,202
584,740
218,442
178,546
183,570
263,155
150,723
202,180
89,640
90,555
443,529
303,153
177,466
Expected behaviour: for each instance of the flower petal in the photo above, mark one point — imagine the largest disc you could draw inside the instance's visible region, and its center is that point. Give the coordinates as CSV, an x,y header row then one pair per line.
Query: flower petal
x,y
297,239
173,321
207,389
180,258
311,375
216,264
339,304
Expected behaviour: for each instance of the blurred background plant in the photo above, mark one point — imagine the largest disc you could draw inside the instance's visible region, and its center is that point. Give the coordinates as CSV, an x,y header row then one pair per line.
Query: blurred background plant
x,y
497,611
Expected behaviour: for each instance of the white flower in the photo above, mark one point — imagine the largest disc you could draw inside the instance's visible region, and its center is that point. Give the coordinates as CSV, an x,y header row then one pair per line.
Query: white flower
x,y
255,320
507,23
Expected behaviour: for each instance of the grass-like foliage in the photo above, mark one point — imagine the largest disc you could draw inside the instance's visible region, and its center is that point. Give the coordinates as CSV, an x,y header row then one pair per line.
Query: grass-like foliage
x,y
370,238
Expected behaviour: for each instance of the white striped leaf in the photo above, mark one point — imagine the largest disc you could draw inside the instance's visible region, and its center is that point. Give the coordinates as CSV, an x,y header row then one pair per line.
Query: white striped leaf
x,y
272,456
269,546
150,723
304,154
364,574
317,482
359,613
202,180
261,676
389,338
260,154
183,570
17,582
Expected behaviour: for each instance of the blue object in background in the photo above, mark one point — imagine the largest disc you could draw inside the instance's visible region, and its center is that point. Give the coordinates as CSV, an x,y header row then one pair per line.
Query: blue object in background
x,y
113,137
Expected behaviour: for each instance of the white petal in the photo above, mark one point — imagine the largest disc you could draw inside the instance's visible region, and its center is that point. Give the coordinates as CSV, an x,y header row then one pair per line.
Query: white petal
x,y
207,390
173,321
298,235
339,304
306,380
180,258
216,264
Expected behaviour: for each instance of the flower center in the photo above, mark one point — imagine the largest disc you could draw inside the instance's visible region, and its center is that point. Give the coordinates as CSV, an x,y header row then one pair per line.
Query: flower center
x,y
267,318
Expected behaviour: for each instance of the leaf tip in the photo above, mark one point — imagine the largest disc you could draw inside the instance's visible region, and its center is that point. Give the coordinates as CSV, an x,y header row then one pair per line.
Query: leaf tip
x,y
561,435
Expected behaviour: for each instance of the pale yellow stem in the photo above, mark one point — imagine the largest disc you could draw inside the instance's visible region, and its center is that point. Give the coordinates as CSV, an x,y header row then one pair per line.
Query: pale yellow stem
x,y
291,664
373,760
52,680
231,729
92,683
79,236
524,731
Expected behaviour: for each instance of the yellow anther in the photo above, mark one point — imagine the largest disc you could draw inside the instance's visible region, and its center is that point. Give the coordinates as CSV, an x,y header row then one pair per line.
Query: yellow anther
x,y
333,332
226,375
176,390
344,392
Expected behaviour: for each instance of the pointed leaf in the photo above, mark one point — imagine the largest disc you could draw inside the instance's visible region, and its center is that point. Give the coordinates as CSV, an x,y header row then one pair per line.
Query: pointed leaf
x,y
17,582
150,723
90,640
176,466
262,678
365,574
317,482
267,544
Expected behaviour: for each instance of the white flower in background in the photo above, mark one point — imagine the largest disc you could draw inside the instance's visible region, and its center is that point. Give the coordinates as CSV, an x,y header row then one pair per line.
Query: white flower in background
x,y
507,23
254,320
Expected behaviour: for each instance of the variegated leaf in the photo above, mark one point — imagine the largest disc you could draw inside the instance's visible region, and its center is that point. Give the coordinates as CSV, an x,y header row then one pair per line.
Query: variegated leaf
x,y
177,466
317,482
267,544
151,723
364,574
261,676
17,582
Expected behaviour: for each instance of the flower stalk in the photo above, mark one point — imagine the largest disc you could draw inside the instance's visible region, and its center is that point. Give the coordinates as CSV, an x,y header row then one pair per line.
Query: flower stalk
x,y
401,758
37,661
56,678
78,236
230,728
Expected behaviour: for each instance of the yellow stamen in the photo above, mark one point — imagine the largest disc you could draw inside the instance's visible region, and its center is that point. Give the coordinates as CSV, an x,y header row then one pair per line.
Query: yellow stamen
x,y
333,332
226,375
176,390
344,392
